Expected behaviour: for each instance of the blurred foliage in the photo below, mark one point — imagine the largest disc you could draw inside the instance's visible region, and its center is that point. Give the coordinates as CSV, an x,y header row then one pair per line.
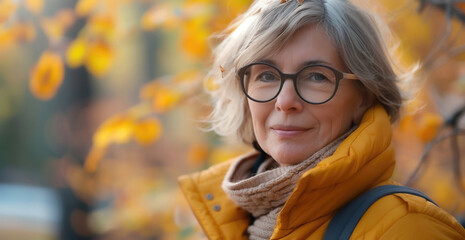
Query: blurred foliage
x,y
122,150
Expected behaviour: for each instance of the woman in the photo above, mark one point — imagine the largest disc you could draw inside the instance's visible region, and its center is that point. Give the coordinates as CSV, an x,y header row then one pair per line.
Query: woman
x,y
310,85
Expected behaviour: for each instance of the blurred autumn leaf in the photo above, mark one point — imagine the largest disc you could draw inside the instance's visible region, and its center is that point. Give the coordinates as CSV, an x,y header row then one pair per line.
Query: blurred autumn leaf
x,y
136,186
47,76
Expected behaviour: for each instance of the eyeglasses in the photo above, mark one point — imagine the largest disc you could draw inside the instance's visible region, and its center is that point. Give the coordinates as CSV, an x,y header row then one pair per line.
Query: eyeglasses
x,y
315,84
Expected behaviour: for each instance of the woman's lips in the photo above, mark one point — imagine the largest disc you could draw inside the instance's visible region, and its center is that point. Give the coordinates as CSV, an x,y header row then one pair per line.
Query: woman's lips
x,y
288,131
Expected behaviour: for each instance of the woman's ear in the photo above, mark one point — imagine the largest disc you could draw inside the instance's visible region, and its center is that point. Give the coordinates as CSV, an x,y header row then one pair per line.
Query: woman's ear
x,y
367,101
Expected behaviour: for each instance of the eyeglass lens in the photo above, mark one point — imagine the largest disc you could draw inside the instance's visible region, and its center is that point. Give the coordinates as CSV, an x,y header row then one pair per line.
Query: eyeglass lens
x,y
315,84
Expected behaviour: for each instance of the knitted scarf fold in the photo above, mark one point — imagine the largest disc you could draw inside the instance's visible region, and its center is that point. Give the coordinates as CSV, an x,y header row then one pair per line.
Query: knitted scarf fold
x,y
264,194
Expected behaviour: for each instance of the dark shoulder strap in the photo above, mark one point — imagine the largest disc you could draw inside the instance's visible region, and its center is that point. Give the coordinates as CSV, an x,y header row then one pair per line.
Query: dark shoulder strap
x,y
346,219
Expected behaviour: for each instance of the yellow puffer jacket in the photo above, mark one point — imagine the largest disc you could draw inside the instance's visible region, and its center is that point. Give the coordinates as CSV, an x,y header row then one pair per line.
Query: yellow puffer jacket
x,y
364,160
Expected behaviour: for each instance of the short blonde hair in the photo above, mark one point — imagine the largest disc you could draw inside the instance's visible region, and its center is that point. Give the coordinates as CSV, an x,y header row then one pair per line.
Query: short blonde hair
x,y
268,25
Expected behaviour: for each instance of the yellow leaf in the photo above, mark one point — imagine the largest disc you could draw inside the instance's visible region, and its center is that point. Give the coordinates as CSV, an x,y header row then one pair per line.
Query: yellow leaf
x,y
76,52
166,99
7,8
118,129
148,131
428,126
34,6
53,29
99,59
47,76
194,37
84,7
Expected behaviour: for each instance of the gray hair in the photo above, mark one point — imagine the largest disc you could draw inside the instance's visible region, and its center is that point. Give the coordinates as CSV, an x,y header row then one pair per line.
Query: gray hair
x,y
268,25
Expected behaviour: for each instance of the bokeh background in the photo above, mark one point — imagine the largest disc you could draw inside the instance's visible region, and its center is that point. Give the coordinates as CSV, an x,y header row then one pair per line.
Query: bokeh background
x,y
102,104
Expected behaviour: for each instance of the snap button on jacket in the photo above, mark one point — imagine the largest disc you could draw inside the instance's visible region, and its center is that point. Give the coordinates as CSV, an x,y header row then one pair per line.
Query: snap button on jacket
x,y
364,160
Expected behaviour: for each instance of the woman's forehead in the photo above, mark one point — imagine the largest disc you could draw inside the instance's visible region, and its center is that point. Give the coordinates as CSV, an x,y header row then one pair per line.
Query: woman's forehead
x,y
308,45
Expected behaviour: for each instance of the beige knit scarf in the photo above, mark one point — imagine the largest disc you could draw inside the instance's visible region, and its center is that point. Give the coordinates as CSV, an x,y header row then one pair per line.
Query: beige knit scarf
x,y
264,194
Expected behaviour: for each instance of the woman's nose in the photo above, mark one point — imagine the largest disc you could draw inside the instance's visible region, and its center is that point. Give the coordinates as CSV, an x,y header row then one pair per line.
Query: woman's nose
x,y
288,99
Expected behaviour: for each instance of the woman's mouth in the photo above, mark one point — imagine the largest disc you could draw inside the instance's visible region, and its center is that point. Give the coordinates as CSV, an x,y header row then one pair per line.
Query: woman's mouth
x,y
288,131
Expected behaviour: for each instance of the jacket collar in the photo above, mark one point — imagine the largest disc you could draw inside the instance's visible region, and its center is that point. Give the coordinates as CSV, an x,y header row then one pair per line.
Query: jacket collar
x,y
362,161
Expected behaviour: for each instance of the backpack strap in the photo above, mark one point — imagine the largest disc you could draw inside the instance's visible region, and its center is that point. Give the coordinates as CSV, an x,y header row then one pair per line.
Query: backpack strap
x,y
346,219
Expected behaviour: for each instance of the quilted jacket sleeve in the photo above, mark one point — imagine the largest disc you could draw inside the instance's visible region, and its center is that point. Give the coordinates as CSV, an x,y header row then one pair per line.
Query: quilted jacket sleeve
x,y
405,216
420,226
219,217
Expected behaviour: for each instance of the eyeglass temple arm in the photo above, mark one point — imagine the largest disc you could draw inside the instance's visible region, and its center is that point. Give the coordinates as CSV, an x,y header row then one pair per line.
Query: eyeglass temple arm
x,y
349,76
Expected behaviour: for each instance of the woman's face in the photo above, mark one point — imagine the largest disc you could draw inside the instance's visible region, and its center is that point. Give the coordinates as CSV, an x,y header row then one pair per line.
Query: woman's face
x,y
291,130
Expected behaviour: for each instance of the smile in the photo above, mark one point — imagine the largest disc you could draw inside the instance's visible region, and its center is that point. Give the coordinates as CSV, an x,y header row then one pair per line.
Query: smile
x,y
288,131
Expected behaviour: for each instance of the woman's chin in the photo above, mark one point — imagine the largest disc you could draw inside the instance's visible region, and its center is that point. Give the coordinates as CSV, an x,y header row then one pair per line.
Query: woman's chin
x,y
290,153
284,158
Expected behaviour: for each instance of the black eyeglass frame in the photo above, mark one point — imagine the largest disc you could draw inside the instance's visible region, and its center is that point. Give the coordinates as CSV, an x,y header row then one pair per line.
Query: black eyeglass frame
x,y
284,76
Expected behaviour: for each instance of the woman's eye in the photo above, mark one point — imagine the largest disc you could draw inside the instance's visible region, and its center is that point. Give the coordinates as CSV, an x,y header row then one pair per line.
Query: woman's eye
x,y
267,77
316,77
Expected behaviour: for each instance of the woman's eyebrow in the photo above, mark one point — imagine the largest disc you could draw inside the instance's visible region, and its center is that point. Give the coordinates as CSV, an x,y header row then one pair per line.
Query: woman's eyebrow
x,y
311,62
304,64
269,61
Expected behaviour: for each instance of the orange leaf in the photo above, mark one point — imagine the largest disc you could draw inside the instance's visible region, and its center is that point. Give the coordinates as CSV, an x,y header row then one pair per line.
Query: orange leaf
x,y
76,52
47,76
118,129
148,131
222,71
99,59
34,6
